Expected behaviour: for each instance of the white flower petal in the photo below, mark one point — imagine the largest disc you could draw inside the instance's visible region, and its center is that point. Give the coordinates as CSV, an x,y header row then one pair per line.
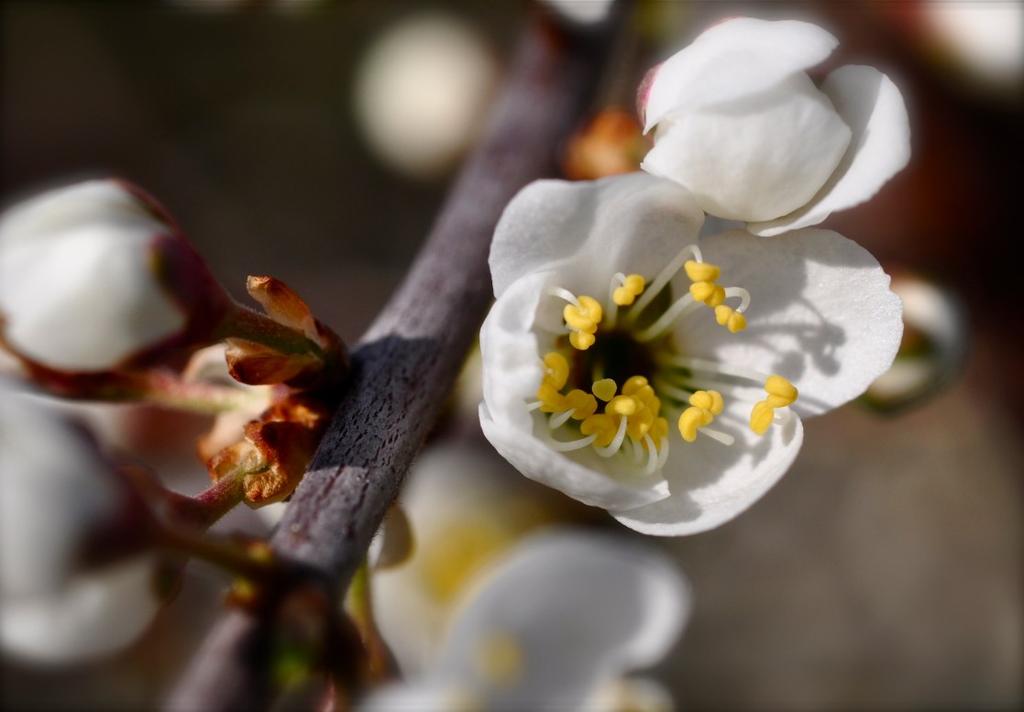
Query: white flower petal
x,y
78,289
574,609
711,483
585,481
512,374
822,314
755,157
873,107
634,220
734,58
94,616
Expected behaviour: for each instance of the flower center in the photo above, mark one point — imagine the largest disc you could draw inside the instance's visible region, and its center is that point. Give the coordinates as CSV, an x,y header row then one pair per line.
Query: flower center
x,y
615,376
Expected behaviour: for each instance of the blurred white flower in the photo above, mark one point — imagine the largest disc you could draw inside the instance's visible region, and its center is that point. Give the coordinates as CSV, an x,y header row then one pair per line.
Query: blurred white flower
x,y
58,495
550,627
986,36
93,274
742,127
92,616
580,391
464,509
421,91
584,12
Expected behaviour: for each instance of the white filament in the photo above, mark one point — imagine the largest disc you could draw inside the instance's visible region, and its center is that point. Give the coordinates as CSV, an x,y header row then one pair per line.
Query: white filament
x,y
570,445
664,277
665,320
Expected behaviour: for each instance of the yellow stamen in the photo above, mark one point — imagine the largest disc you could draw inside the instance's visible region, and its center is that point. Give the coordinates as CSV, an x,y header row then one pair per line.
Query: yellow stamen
x,y
702,291
731,319
582,403
581,340
702,271
602,425
604,389
622,405
780,391
584,317
551,401
761,417
632,287
633,384
690,421
716,298
556,369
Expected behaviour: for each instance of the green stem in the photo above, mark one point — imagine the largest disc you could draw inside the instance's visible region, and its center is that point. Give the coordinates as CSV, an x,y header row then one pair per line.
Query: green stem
x,y
243,323
166,389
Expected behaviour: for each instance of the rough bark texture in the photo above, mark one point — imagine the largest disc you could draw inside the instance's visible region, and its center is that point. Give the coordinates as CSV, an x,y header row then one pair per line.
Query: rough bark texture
x,y
404,367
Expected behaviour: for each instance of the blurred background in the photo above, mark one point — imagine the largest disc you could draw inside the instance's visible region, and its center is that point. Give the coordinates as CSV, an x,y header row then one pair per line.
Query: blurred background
x,y
315,141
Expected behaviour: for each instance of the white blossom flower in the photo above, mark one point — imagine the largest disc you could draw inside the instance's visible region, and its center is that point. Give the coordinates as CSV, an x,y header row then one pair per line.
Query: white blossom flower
x,y
465,508
93,274
743,128
58,494
552,626
668,398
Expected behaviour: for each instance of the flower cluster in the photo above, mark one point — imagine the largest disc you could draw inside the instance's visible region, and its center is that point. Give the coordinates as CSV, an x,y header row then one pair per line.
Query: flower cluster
x,y
639,364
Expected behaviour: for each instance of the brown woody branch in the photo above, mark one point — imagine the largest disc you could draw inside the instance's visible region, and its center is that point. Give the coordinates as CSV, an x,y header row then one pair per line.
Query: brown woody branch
x,y
404,367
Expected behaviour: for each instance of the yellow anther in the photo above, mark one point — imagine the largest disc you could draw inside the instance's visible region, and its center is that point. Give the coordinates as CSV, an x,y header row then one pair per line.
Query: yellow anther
x,y
717,402
780,391
731,319
640,424
702,291
659,430
710,401
582,403
716,298
633,384
604,389
761,417
622,405
551,401
648,399
584,317
623,297
556,369
702,271
701,399
632,287
581,340
604,426
690,421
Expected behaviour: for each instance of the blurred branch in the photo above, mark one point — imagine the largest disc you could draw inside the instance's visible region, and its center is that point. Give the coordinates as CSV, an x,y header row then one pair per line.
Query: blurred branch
x,y
404,367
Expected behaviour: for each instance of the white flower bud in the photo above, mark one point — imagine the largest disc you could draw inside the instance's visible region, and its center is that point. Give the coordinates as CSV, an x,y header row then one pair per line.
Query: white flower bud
x,y
94,274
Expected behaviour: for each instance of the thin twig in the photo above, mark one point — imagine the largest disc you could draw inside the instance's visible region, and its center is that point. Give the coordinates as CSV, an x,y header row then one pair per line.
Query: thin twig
x,y
405,365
